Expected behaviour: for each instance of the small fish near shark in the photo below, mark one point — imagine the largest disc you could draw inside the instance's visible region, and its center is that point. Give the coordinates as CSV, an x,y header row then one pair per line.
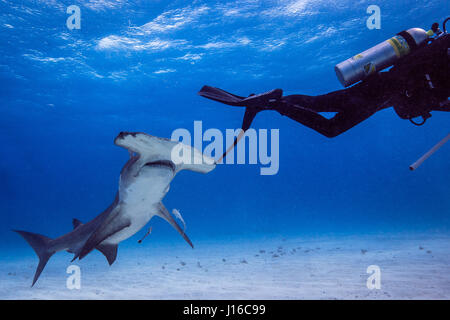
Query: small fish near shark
x,y
144,181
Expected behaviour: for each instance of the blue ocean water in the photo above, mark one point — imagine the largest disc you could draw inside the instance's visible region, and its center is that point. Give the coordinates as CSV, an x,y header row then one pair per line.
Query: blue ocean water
x,y
138,65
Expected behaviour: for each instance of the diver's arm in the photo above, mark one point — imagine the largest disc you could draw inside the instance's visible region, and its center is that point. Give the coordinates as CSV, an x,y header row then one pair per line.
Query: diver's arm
x,y
444,106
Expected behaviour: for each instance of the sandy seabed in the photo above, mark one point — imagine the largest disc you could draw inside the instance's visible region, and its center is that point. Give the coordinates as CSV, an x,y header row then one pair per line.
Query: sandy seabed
x,y
411,266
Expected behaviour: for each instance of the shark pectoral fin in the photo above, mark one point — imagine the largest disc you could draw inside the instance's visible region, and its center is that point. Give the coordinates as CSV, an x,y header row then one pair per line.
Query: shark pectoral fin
x,y
165,214
76,223
109,251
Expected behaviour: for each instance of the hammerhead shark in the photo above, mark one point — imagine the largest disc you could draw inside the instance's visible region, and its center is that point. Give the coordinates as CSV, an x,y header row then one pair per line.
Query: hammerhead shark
x,y
143,183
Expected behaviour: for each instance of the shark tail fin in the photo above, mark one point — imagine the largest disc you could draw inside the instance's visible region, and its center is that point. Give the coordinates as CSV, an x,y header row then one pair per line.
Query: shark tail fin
x,y
40,244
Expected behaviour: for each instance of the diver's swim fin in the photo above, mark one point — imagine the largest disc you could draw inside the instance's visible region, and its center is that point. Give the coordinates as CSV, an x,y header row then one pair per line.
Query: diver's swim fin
x,y
253,103
220,95
249,115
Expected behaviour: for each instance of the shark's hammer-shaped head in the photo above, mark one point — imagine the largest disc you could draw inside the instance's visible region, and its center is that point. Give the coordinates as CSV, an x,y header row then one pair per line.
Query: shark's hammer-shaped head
x,y
154,149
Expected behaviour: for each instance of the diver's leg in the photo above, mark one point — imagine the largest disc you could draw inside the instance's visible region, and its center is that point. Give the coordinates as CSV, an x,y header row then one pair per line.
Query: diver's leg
x,y
353,105
331,102
330,128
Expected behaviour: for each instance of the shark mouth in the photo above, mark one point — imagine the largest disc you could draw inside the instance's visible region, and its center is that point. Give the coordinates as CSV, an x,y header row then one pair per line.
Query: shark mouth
x,y
161,163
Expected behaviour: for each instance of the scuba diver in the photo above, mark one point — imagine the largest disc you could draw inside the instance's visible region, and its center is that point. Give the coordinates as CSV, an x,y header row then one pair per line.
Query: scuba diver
x,y
417,83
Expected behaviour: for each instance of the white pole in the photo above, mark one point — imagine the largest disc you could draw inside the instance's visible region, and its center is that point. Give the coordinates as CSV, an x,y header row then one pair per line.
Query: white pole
x,y
239,137
416,164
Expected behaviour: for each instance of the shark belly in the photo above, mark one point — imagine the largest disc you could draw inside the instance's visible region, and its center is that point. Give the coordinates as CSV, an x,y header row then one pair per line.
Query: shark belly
x,y
139,201
138,220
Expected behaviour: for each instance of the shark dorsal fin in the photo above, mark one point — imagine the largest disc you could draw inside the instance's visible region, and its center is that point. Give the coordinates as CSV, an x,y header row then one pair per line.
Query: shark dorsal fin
x,y
76,223
109,251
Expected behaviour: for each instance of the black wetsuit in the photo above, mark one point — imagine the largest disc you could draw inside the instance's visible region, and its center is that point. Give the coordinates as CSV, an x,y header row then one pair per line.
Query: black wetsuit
x,y
417,84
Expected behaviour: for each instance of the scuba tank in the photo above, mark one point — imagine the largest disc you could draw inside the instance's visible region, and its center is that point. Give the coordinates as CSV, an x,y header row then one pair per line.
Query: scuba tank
x,y
381,56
